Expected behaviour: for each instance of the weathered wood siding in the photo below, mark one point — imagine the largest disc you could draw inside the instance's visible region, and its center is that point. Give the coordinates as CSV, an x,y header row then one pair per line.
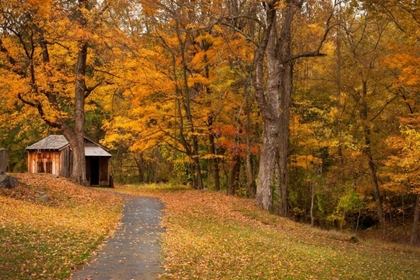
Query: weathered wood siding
x,y
104,171
53,162
97,170
3,160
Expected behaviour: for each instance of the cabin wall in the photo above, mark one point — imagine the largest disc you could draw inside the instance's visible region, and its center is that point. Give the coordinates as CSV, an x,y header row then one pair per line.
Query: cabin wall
x,y
44,162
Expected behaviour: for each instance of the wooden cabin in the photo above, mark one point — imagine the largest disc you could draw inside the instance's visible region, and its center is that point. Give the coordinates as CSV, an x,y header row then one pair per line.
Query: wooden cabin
x,y
53,155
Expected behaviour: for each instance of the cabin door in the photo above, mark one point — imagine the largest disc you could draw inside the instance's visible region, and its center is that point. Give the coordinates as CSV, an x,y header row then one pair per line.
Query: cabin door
x,y
94,171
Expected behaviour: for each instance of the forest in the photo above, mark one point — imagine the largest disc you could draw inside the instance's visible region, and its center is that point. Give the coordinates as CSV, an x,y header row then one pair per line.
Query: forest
x,y
308,107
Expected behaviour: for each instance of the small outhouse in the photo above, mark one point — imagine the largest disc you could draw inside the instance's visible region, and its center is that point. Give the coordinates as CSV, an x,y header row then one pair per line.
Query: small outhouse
x,y
53,155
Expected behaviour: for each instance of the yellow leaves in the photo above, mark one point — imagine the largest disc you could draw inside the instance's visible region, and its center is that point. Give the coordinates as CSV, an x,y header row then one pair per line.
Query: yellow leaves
x,y
402,165
43,240
306,162
211,235
198,79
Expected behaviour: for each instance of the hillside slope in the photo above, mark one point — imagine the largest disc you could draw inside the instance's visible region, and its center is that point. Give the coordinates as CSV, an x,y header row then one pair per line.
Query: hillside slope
x,y
41,239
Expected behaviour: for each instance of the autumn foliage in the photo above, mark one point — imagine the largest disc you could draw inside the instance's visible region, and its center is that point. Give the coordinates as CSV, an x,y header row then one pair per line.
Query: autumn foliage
x,y
302,105
211,235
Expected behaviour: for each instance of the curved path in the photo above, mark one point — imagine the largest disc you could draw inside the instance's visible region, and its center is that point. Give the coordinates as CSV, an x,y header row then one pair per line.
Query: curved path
x,y
134,251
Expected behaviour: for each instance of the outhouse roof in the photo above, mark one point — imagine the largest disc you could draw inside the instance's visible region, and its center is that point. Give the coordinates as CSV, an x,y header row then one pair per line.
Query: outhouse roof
x,y
59,142
52,142
96,152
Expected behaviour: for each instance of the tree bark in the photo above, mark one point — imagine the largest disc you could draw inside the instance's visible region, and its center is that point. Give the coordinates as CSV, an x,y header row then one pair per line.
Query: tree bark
x,y
268,103
198,182
275,106
250,182
214,159
234,175
368,153
77,139
264,195
415,229
158,158
312,202
140,167
281,206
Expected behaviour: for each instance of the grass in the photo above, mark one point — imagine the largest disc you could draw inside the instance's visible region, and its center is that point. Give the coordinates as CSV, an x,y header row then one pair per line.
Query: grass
x,y
208,235
46,240
213,236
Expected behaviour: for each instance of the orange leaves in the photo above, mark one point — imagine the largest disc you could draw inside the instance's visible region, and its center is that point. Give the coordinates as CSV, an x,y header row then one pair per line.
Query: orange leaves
x,y
402,165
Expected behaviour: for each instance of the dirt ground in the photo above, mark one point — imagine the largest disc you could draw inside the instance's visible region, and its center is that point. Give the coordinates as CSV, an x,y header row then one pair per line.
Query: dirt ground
x,y
134,251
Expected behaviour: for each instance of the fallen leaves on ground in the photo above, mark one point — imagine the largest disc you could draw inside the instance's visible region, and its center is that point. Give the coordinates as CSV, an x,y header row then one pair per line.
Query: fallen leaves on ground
x,y
211,235
46,239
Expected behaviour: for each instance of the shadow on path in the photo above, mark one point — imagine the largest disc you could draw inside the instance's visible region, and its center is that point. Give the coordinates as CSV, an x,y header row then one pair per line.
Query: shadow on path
x,y
134,251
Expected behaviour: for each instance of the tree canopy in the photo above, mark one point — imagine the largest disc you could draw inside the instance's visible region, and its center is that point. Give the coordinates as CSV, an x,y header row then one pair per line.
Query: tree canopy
x,y
309,107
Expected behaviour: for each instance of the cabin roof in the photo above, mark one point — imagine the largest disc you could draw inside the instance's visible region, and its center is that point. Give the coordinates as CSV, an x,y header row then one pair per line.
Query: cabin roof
x,y
96,152
52,142
59,142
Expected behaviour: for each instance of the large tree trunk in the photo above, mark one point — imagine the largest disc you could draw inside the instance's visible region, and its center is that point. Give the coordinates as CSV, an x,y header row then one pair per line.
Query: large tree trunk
x,y
140,167
268,101
264,195
281,206
285,72
275,107
76,139
274,101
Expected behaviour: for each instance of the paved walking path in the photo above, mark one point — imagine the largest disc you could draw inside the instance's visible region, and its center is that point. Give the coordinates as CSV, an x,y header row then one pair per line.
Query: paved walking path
x,y
134,250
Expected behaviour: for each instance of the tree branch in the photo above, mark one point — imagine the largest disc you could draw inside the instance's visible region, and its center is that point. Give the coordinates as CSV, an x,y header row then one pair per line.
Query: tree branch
x,y
317,52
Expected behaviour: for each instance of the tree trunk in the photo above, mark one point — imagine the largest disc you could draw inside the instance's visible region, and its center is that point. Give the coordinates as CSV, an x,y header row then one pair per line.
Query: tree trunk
x,y
281,207
214,159
376,193
368,153
267,159
140,167
158,158
234,175
250,182
312,202
76,139
198,183
197,167
274,101
415,230
268,101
